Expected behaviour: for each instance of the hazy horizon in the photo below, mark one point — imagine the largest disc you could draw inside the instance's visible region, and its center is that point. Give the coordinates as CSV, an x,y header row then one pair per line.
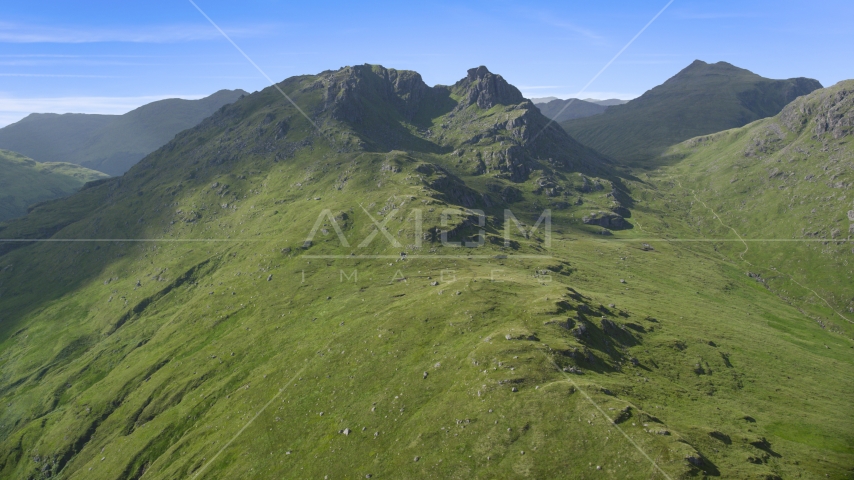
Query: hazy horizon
x,y
100,57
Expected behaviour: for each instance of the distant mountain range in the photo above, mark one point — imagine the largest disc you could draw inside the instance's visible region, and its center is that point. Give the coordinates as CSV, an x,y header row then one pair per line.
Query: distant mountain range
x,y
607,103
561,110
701,99
24,182
109,143
385,279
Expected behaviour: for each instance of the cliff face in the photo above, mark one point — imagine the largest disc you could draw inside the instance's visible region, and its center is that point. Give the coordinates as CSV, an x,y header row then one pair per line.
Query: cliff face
x,y
486,89
481,118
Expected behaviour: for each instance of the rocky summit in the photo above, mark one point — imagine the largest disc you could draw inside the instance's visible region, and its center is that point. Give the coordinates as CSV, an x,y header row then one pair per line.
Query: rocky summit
x,y
376,278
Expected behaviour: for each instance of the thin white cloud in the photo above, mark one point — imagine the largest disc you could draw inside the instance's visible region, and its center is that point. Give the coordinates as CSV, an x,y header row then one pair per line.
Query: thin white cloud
x,y
571,27
549,18
685,15
538,87
9,118
21,33
56,75
14,109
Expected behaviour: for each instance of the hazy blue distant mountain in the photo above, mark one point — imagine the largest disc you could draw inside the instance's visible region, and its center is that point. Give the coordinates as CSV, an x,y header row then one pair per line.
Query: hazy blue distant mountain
x,y
561,110
608,103
267,284
701,99
543,100
109,143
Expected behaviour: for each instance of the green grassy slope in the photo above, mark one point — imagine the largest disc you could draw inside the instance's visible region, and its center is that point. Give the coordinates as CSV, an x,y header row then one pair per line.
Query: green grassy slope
x,y
701,99
783,185
232,348
24,182
109,143
562,110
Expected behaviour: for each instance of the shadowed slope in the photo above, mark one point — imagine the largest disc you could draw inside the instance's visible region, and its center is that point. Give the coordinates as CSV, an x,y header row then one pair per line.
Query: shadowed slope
x,y
701,99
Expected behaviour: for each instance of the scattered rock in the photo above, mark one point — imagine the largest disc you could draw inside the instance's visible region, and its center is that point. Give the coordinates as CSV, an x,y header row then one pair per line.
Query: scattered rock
x,y
721,437
580,331
609,327
605,220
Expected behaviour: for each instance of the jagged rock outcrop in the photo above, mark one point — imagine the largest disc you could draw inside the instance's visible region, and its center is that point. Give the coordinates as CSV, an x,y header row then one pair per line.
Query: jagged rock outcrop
x,y
349,91
486,89
830,111
608,220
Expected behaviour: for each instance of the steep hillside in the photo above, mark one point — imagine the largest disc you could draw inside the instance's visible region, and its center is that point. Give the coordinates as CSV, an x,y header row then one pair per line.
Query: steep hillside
x,y
701,99
562,110
109,143
779,192
293,302
24,182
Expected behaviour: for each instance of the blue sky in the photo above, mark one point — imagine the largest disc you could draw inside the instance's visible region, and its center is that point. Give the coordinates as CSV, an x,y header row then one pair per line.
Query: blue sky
x,y
109,57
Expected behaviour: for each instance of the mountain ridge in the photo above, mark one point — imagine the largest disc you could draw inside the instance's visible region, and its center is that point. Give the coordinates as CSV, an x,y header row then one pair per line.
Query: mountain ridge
x,y
108,143
283,297
700,99
562,110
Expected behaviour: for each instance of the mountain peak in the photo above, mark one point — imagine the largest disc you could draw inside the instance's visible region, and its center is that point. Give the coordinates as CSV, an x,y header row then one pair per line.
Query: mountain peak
x,y
486,89
699,68
478,73
702,98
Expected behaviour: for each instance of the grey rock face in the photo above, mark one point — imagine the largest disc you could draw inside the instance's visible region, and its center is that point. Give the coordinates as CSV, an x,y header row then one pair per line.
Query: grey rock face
x,y
606,220
487,89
